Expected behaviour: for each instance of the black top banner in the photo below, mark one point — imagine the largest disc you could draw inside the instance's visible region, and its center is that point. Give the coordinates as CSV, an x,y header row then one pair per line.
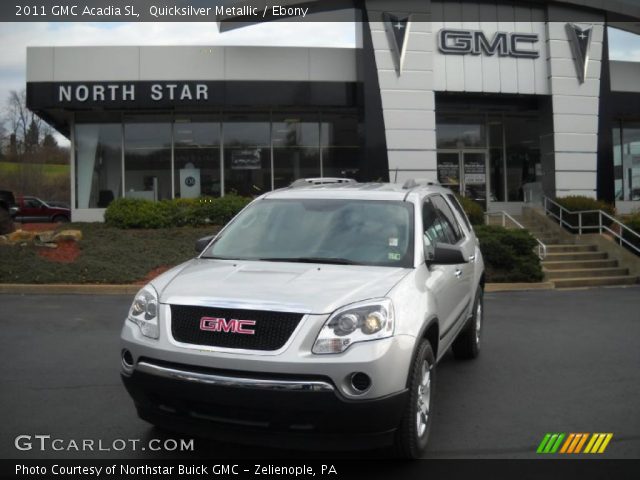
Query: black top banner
x,y
236,13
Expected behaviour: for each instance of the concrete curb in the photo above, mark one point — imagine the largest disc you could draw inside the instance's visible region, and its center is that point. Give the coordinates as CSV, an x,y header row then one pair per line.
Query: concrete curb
x,y
93,289
517,287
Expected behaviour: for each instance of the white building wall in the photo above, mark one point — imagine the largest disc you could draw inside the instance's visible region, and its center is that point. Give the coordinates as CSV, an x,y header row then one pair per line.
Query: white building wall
x,y
483,73
575,110
408,101
103,64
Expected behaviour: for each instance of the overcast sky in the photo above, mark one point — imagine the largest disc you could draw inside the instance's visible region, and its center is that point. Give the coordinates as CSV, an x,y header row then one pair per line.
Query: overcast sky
x,y
15,37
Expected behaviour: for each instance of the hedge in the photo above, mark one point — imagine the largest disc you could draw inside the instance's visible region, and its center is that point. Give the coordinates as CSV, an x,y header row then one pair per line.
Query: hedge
x,y
138,213
633,222
472,209
577,203
509,254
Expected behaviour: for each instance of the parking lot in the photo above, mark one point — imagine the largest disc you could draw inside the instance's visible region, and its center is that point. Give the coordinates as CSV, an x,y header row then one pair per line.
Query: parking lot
x,y
552,361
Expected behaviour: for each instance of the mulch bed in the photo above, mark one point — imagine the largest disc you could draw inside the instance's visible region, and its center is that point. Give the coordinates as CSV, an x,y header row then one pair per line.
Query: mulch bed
x,y
36,227
67,252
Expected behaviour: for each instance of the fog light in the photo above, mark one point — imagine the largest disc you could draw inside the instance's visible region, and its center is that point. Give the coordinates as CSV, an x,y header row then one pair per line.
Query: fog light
x,y
361,382
127,362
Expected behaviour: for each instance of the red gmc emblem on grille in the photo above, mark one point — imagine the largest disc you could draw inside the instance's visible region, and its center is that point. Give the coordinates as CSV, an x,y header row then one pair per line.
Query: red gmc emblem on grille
x,y
211,324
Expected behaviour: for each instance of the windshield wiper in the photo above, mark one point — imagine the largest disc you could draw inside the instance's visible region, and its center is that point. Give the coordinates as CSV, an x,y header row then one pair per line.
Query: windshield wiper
x,y
329,260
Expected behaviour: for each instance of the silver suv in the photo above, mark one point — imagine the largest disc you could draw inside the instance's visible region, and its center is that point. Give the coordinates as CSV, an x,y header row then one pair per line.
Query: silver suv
x,y
317,314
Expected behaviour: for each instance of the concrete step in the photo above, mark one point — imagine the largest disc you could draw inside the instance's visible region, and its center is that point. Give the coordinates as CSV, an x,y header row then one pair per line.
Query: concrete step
x,y
595,281
571,248
577,256
585,273
573,265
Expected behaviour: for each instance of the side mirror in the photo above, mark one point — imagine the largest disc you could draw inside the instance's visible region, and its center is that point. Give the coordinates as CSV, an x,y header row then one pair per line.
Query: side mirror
x,y
202,243
444,254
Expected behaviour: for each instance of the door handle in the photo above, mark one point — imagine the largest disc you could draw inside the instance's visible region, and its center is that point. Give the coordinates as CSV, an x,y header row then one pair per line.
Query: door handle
x,y
458,273
472,258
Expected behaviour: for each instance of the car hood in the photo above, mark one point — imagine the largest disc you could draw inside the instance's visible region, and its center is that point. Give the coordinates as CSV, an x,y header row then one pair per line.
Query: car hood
x,y
299,287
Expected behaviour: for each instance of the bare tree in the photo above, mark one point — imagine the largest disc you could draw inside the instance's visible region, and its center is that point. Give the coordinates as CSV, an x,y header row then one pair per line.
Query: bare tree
x,y
21,120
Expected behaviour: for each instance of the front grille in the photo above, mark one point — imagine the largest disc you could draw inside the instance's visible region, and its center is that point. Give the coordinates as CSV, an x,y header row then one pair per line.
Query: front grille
x,y
272,329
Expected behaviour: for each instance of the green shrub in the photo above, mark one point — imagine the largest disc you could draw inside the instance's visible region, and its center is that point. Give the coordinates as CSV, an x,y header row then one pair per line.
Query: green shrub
x,y
578,203
472,209
509,254
137,213
633,222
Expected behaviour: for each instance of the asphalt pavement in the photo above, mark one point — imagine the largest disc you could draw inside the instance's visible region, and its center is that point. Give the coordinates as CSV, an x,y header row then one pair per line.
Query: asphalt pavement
x,y
551,361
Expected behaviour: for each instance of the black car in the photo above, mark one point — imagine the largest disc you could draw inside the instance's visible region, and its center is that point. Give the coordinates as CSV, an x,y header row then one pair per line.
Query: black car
x,y
8,210
8,202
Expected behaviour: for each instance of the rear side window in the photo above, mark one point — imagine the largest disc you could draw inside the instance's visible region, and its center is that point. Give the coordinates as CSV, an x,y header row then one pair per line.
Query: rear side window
x,y
449,219
456,204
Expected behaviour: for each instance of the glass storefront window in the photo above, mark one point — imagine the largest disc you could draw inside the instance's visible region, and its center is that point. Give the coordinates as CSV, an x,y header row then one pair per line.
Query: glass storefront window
x,y
512,143
247,154
340,150
461,132
626,140
496,161
179,156
98,164
296,148
522,141
196,143
147,160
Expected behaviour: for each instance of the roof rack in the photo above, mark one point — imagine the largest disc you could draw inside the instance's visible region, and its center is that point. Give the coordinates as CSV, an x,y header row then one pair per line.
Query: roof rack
x,y
305,182
419,182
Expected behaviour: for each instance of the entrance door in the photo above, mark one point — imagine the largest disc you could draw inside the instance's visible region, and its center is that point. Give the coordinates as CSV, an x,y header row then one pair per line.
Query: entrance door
x,y
464,172
449,171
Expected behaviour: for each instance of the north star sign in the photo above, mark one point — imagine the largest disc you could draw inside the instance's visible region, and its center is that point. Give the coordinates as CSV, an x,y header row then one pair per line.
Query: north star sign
x,y
112,92
475,42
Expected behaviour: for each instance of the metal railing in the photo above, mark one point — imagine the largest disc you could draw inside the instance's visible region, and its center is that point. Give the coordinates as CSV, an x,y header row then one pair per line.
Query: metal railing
x,y
506,218
605,222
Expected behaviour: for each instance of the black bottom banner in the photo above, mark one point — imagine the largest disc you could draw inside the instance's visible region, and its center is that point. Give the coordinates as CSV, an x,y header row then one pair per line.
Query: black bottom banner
x,y
323,469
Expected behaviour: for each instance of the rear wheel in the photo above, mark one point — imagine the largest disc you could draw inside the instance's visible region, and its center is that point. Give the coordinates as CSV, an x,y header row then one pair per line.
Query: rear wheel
x,y
467,345
413,433
60,219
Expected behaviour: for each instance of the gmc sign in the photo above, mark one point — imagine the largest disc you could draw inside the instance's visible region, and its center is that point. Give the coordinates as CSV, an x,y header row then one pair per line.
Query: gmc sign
x,y
475,42
211,324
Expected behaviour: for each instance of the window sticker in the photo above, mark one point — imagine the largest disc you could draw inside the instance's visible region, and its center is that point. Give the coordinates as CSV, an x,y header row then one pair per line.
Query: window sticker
x,y
393,242
395,256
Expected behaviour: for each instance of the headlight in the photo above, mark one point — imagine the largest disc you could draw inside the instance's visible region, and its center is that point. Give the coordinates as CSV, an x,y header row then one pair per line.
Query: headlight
x,y
144,312
358,322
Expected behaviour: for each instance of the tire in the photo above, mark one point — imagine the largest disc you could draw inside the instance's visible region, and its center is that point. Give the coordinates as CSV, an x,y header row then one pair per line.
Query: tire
x,y
413,434
467,345
60,219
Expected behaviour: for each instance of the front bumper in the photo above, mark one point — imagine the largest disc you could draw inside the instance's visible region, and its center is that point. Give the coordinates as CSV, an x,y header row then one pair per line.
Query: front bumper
x,y
302,411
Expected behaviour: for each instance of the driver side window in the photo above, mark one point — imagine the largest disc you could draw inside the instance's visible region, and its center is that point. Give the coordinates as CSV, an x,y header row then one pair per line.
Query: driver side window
x,y
435,231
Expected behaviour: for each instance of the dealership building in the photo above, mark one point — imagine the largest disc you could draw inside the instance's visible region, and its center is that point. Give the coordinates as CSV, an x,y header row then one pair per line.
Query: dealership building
x,y
502,101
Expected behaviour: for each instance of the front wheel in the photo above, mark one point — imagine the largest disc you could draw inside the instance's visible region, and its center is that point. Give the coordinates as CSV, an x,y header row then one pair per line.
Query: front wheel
x,y
467,345
60,219
413,433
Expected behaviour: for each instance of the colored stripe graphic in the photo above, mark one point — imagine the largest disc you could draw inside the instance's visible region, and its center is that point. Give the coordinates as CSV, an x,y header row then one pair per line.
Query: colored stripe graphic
x,y
598,443
573,443
550,443
565,447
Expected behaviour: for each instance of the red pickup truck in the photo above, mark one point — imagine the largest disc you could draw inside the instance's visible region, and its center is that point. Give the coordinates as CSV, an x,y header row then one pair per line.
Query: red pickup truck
x,y
32,209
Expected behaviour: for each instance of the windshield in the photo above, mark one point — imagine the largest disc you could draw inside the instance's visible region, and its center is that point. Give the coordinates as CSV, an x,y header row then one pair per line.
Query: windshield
x,y
350,232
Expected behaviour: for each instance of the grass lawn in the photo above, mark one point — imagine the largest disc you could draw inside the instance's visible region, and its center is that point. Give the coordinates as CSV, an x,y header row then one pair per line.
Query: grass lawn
x,y
108,255
48,169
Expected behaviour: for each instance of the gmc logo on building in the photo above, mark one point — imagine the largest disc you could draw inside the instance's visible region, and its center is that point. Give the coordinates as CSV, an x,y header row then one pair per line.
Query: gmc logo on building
x,y
211,324
475,42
